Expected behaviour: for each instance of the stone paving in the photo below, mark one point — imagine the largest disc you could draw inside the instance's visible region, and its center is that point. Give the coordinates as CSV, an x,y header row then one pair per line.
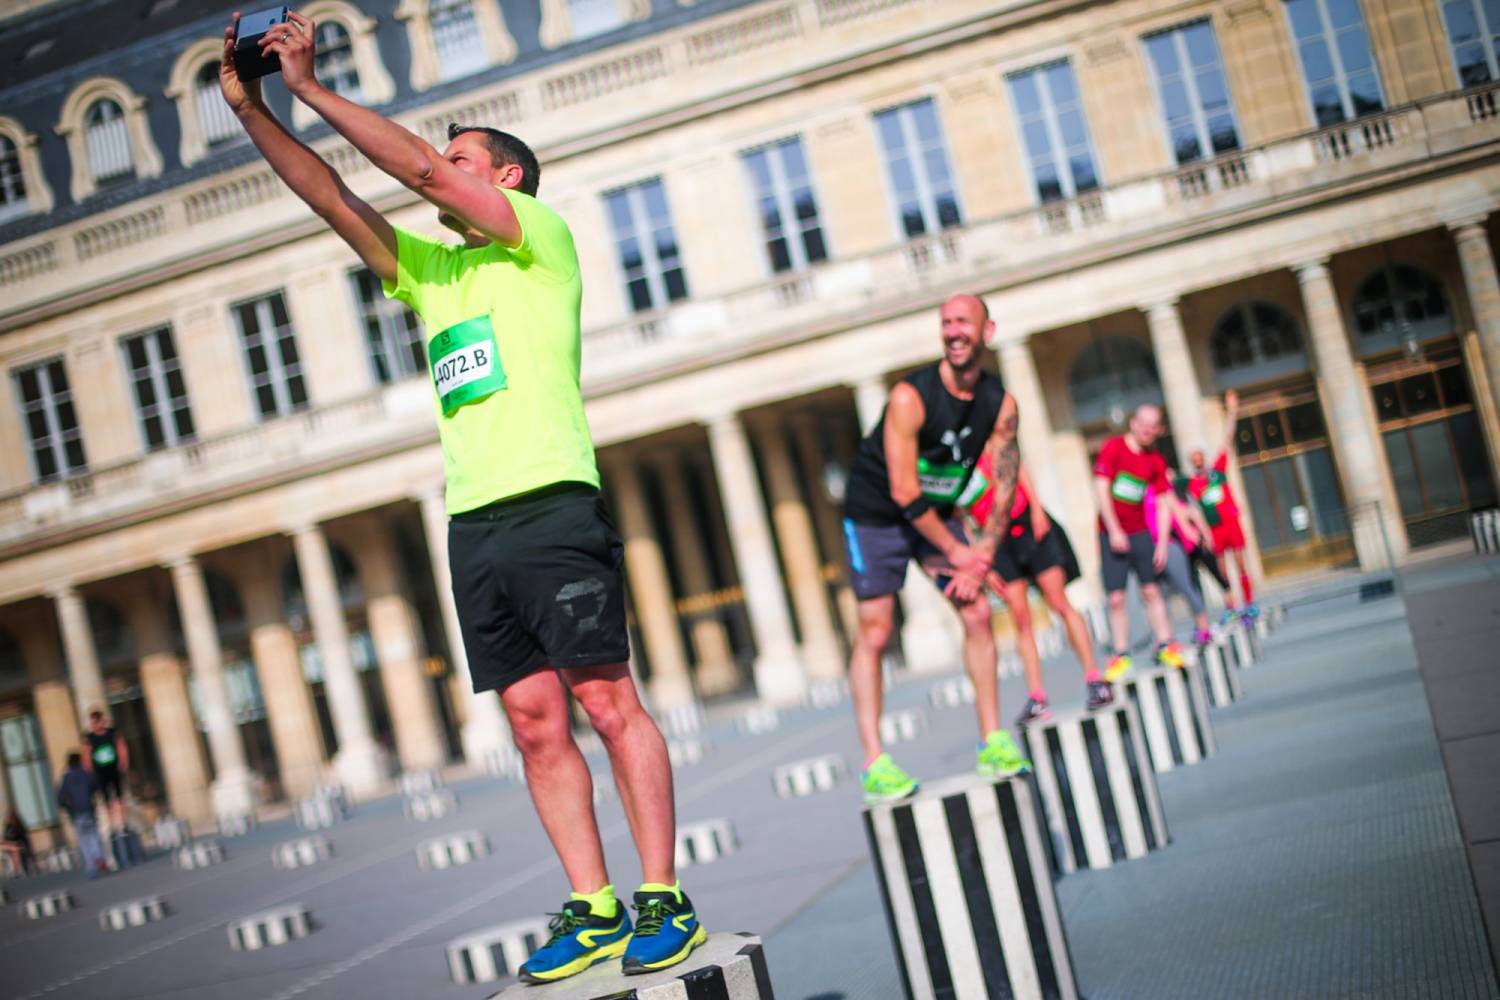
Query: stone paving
x,y
1315,856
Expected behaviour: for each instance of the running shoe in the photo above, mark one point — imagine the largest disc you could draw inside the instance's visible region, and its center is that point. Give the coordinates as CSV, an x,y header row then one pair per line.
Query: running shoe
x,y
1036,710
1202,637
1169,654
1228,617
1118,666
579,939
885,782
998,755
666,931
1253,610
1101,693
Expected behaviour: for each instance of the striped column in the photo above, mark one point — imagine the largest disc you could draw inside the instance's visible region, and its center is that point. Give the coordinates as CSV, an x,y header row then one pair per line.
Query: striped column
x,y
1221,677
1239,642
1097,787
1174,714
964,877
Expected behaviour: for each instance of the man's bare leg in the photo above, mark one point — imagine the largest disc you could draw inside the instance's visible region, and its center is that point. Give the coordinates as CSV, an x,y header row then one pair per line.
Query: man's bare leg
x,y
979,660
1053,585
1020,614
1119,622
561,787
876,622
638,758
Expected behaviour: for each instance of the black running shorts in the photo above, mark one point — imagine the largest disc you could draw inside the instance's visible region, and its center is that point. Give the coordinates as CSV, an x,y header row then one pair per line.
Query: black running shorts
x,y
1116,567
1024,557
111,782
537,580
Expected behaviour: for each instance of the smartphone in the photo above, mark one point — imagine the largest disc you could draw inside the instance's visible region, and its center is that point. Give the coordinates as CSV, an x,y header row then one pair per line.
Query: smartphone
x,y
249,62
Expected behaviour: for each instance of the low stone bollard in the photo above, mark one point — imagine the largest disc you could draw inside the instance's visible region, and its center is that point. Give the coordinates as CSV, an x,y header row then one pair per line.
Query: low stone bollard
x,y
48,904
686,752
967,889
451,850
808,777
59,860
413,783
1174,715
235,824
319,812
487,955
704,842
301,853
1241,646
902,726
169,832
725,967
197,854
270,928
952,693
681,720
1097,788
426,806
826,694
758,721
133,913
1220,675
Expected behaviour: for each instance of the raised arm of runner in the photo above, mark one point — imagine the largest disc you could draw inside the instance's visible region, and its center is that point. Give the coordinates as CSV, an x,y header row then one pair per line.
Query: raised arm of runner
x,y
1231,422
403,155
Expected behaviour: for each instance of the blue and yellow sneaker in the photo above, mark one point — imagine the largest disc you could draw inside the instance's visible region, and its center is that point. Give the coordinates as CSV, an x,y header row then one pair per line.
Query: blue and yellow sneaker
x,y
666,929
579,939
998,755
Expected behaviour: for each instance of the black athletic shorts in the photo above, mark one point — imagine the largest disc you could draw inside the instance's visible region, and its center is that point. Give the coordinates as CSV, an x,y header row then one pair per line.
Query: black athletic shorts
x,y
537,580
1116,567
111,783
1023,557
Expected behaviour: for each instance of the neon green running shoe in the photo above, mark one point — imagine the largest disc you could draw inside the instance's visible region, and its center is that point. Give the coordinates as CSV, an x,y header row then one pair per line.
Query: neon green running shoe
x,y
885,782
999,755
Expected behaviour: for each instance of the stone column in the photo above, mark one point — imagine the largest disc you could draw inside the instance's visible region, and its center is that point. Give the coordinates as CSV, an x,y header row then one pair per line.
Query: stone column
x,y
716,673
825,515
173,726
82,657
485,728
1483,289
799,556
1375,519
932,634
398,648
1018,371
650,587
357,761
1179,377
779,677
233,789
290,711
57,718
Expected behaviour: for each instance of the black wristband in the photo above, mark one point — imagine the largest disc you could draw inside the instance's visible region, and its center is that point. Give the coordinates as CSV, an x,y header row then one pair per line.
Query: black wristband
x,y
916,508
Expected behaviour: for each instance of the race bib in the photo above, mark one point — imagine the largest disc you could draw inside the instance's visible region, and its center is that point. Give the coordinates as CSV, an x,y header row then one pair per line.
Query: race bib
x,y
978,484
943,483
465,363
105,755
1213,495
1128,489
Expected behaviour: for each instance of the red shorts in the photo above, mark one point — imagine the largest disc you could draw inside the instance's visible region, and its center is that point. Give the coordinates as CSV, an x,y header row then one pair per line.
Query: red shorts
x,y
1227,535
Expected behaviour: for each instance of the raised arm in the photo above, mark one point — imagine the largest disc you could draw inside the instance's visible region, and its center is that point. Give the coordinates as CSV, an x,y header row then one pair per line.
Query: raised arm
x,y
1231,422
403,155
903,419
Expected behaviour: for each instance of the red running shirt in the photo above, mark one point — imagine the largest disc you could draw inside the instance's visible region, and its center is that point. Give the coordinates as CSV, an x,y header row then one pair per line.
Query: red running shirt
x,y
1211,490
982,489
1130,474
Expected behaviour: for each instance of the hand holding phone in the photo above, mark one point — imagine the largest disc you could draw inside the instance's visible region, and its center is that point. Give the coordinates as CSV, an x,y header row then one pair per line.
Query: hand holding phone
x,y
249,61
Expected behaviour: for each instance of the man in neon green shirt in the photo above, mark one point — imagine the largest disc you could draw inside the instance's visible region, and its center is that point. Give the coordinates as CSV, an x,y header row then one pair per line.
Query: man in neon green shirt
x,y
536,560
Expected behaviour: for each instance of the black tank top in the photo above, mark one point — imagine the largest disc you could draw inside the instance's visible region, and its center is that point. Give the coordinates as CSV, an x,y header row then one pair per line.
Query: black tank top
x,y
102,750
948,444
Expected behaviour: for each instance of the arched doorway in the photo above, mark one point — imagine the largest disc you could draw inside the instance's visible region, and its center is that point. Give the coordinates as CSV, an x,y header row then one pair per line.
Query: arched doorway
x,y
1424,401
361,647
1292,488
1109,378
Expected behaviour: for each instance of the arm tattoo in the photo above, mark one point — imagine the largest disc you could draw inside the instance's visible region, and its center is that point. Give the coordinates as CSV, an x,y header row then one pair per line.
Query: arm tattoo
x,y
1005,453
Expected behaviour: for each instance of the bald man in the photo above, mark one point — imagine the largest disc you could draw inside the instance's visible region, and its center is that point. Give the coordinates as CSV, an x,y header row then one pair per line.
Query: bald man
x,y
910,473
1127,467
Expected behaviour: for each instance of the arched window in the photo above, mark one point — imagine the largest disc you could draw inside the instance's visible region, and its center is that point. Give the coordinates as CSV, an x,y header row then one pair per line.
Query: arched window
x,y
214,117
1254,342
1400,307
12,181
106,139
1110,377
335,61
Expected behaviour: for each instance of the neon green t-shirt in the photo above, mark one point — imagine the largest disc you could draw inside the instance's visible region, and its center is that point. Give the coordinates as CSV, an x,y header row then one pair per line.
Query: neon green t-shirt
x,y
503,348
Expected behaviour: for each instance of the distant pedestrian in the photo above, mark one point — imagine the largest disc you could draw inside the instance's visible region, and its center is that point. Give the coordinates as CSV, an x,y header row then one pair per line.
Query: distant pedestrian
x,y
15,842
76,796
109,762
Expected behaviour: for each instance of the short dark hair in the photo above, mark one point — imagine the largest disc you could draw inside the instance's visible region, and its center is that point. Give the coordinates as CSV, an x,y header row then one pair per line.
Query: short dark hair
x,y
505,149
75,759
96,714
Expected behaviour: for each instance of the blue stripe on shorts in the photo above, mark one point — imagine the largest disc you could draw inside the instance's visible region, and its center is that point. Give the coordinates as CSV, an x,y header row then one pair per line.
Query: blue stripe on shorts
x,y
851,537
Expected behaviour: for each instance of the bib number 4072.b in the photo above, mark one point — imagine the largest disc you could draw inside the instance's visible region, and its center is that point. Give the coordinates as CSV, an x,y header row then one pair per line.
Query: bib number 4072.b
x,y
465,363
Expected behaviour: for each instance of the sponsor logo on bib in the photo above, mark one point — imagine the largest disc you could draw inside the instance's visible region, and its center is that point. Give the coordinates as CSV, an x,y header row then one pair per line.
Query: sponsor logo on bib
x,y
104,754
465,363
941,481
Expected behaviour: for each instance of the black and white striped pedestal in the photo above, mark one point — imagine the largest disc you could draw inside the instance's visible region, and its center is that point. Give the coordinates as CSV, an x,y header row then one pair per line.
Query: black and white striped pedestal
x,y
319,812
503,762
134,913
725,967
451,850
952,693
705,842
169,832
686,751
60,859
197,854
425,806
416,782
235,824
826,694
1241,646
1097,787
270,927
1220,675
902,726
681,720
48,904
758,721
808,777
965,879
301,853
1174,715
484,956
